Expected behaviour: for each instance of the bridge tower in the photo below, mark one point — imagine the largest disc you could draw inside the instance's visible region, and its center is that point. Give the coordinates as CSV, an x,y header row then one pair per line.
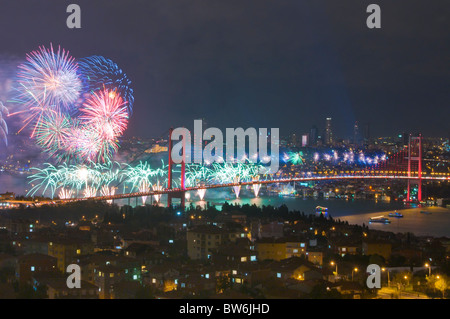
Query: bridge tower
x,y
180,192
414,165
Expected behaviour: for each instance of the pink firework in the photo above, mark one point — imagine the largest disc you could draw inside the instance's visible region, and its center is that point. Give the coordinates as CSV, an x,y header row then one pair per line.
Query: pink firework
x,y
83,143
107,113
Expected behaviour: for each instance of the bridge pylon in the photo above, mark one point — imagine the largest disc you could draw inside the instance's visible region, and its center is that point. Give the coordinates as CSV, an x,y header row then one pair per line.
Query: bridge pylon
x,y
414,166
179,192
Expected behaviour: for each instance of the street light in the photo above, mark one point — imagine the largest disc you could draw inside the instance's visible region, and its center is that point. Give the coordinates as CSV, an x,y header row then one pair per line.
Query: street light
x,y
354,270
389,282
429,269
332,264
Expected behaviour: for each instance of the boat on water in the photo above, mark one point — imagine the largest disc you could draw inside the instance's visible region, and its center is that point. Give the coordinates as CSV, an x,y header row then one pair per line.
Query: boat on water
x,y
425,212
396,214
379,219
320,210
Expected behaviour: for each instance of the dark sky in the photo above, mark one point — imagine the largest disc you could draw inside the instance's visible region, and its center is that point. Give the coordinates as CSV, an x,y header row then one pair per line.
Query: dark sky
x,y
259,63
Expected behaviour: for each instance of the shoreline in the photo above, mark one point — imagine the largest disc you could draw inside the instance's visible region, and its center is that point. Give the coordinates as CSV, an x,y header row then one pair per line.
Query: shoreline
x,y
413,221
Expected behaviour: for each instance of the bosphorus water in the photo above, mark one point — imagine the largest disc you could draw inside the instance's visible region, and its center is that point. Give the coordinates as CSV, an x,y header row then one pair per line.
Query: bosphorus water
x,y
356,211
436,224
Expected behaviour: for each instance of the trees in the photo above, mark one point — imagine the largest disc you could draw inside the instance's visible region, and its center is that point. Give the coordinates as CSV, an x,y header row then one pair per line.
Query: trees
x,y
438,282
223,283
144,292
441,284
402,279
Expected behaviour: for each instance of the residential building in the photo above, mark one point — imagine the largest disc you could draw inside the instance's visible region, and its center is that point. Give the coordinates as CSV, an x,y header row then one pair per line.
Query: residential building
x,y
67,250
383,249
31,264
203,240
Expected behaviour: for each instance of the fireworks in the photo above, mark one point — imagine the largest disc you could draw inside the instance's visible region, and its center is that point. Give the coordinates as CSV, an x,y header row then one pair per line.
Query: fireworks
x,y
107,191
348,157
236,188
83,180
105,115
157,187
73,177
83,143
98,72
48,82
90,191
3,126
201,193
77,111
65,193
144,188
295,158
52,132
256,187
197,173
142,176
227,172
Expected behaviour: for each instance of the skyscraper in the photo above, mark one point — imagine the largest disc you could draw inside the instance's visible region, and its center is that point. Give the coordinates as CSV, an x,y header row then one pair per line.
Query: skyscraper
x,y
294,140
328,132
356,136
305,138
367,133
313,135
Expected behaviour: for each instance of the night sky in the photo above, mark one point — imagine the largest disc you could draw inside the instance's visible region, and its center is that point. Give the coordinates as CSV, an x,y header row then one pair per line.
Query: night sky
x,y
259,63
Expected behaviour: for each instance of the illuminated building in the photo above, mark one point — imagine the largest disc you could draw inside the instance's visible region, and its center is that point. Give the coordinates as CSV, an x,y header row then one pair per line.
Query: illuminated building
x,y
32,264
328,132
279,249
305,141
67,250
157,149
356,135
204,239
7,196
313,136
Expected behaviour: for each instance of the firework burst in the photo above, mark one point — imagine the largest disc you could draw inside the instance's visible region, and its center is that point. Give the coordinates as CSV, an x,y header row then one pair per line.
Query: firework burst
x,y
98,72
104,114
53,132
51,78
65,193
295,158
3,126
76,113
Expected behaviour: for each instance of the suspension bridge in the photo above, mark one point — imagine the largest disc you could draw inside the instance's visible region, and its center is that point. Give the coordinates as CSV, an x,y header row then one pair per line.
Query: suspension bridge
x,y
404,165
